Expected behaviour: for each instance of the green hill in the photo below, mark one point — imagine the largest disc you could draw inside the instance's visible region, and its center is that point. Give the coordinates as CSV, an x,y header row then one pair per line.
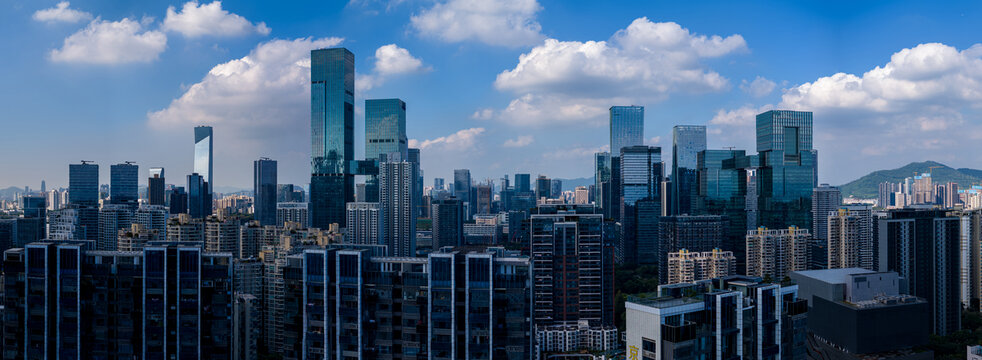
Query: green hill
x,y
866,187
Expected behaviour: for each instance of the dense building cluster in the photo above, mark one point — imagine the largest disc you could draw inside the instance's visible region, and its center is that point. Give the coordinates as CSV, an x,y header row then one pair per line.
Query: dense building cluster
x,y
755,259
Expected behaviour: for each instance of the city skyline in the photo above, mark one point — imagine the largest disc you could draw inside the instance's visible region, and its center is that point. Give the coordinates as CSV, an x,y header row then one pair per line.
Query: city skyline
x,y
502,103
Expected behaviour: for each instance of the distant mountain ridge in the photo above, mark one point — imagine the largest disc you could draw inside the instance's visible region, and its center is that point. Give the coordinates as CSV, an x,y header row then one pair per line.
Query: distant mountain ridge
x,y
867,186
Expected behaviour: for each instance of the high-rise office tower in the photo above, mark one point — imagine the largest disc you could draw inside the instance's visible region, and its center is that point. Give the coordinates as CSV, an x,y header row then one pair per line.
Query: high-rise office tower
x,y
83,196
556,189
724,190
567,243
178,201
385,128
788,169
332,128
641,173
696,233
825,201
523,183
123,184
203,154
264,191
199,196
167,299
922,246
448,222
364,223
396,198
602,192
687,142
776,253
543,187
850,238
626,127
688,267
155,186
438,183
462,190
385,133
35,207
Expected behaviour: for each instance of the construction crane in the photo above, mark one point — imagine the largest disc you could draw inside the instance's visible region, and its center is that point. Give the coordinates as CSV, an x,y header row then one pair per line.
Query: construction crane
x,y
86,162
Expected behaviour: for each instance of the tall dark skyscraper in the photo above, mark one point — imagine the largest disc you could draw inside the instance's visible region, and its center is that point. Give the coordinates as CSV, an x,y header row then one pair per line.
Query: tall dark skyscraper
x,y
199,197
83,184
641,173
203,154
543,187
448,222
332,130
687,142
83,195
602,193
626,127
264,191
788,169
123,184
462,190
155,186
523,183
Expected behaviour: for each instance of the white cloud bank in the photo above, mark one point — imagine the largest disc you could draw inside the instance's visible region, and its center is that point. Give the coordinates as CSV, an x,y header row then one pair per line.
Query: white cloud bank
x,y
509,23
576,82
61,13
111,42
196,20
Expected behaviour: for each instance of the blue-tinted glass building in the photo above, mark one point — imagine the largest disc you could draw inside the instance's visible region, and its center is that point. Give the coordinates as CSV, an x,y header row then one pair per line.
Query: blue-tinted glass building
x,y
641,173
687,142
724,190
788,169
626,127
123,184
462,190
264,191
332,131
199,197
602,193
83,195
523,183
385,128
203,153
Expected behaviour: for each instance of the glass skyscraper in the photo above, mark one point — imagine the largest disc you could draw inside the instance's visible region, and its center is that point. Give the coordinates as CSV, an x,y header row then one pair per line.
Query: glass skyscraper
x,y
687,142
332,130
123,184
83,196
788,169
199,197
264,191
385,128
203,161
641,173
523,183
462,190
626,127
83,184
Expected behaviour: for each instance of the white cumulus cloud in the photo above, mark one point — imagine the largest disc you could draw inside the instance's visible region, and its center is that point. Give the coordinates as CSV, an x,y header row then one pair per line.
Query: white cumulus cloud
x,y
521,141
195,20
111,42
461,140
61,13
574,81
508,23
760,87
391,59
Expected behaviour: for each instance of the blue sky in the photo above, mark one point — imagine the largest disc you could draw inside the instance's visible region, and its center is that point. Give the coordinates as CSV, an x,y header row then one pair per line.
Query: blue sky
x,y
498,87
